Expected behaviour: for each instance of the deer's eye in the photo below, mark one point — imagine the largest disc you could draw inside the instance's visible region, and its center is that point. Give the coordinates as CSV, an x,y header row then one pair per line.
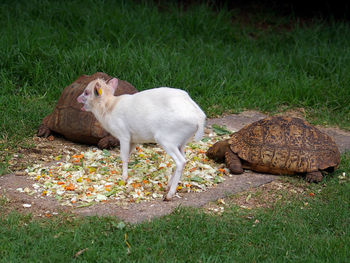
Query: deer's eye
x,y
86,93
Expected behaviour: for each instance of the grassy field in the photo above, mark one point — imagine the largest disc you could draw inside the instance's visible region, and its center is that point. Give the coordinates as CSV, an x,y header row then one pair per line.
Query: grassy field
x,y
227,63
226,66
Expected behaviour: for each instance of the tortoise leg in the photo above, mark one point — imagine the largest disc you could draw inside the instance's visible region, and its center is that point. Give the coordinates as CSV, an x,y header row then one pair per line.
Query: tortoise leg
x,y
314,177
233,162
108,142
43,131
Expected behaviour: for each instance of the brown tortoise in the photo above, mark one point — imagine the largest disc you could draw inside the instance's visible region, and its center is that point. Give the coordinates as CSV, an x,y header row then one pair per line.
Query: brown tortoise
x,y
76,125
279,145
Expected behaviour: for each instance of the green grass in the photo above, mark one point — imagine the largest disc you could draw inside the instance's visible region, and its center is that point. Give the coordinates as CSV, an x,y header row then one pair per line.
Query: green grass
x,y
226,66
289,232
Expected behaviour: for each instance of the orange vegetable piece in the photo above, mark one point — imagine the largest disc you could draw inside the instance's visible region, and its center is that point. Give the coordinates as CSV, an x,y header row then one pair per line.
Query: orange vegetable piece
x,y
60,183
70,187
135,185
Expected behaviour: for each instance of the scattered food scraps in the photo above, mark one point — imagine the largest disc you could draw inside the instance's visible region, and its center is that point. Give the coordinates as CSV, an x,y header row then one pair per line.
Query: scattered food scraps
x,y
95,175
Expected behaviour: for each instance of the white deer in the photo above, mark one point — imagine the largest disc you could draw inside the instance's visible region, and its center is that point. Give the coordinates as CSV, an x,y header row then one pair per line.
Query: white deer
x,y
165,116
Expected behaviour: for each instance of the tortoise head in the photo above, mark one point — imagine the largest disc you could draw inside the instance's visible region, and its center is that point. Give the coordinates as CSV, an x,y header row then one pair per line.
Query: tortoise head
x,y
218,150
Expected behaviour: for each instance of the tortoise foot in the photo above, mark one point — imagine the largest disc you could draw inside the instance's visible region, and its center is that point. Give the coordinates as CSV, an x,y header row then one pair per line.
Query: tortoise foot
x,y
43,131
108,142
233,163
314,177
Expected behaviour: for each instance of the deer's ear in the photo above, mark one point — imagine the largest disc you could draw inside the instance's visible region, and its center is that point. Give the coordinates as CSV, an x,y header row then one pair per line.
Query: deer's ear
x,y
113,83
97,90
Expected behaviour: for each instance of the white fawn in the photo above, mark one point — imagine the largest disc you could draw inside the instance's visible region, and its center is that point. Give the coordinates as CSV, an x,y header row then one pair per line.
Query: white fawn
x,y
165,116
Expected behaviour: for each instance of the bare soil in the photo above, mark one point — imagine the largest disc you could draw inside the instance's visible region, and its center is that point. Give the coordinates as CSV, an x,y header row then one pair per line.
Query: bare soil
x,y
242,189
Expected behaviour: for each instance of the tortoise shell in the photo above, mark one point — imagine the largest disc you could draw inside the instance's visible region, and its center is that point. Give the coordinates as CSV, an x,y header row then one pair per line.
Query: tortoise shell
x,y
284,145
70,121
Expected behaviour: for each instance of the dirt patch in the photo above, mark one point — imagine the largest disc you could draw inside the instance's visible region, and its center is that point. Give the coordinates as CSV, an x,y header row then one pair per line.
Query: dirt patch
x,y
265,196
46,149
43,152
133,213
